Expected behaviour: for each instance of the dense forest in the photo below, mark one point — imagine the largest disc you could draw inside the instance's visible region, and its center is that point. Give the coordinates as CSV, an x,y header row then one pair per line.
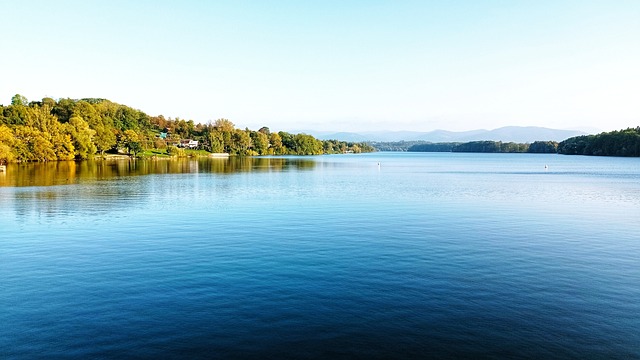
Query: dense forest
x,y
395,145
488,147
68,129
614,143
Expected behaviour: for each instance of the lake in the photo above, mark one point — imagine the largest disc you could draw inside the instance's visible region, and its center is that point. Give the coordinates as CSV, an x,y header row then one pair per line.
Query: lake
x,y
381,255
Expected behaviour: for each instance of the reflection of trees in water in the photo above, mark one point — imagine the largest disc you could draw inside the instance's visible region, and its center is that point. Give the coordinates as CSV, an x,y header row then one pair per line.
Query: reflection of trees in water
x,y
265,164
99,187
40,174
70,172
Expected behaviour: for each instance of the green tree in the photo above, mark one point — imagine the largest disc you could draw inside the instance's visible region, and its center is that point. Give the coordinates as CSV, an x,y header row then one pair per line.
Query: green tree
x,y
6,145
64,109
287,142
226,129
48,103
15,115
104,139
224,125
130,140
126,118
216,141
275,144
41,118
63,146
241,142
307,145
543,147
260,142
18,99
88,113
175,151
82,137
181,128
134,148
32,145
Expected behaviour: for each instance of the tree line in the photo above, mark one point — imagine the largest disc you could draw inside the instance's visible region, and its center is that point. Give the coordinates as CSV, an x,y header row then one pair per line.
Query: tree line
x,y
402,145
615,143
68,129
540,147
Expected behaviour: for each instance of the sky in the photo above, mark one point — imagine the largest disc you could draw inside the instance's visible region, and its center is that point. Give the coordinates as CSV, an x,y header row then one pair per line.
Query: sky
x,y
335,65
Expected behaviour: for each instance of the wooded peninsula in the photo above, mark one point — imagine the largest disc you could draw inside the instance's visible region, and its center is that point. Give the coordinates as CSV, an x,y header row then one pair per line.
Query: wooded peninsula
x,y
70,129
615,143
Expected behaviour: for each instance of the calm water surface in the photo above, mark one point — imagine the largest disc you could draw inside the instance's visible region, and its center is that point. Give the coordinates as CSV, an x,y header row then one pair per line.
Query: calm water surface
x,y
426,255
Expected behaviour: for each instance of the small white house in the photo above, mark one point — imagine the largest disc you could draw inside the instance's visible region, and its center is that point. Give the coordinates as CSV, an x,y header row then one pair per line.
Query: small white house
x,y
188,143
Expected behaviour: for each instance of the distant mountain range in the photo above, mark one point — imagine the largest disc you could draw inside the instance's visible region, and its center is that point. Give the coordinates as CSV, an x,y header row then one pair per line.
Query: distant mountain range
x,y
519,134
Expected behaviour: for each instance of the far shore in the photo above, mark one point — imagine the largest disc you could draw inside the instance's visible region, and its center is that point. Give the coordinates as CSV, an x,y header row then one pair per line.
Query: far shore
x,y
153,157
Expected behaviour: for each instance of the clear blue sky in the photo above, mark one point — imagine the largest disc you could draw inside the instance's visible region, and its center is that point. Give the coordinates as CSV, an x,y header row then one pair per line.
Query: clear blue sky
x,y
335,65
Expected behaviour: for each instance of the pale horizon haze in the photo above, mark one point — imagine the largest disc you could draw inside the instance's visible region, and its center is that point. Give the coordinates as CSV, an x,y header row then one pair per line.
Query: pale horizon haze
x,y
335,65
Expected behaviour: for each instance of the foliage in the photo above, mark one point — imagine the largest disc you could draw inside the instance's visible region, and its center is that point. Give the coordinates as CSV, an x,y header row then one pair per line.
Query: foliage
x,y
395,145
176,151
615,143
306,145
18,99
433,147
543,147
7,140
487,147
82,137
134,148
65,129
276,147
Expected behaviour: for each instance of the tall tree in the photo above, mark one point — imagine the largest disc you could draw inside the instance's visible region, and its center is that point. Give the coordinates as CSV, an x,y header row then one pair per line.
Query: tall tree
x,y
242,142
226,129
82,137
216,141
18,99
130,140
275,144
307,145
260,142
64,109
32,145
104,139
6,145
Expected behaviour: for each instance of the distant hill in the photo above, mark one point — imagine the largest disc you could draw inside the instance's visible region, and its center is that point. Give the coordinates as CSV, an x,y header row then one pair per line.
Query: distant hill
x,y
519,134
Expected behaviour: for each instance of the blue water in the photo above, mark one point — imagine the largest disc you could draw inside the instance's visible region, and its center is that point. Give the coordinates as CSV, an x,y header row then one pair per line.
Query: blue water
x,y
426,255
